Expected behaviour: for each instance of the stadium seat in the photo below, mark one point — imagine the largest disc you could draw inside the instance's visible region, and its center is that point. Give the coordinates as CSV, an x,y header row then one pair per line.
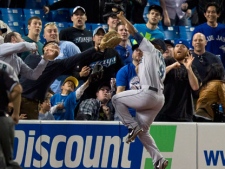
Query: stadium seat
x,y
171,32
35,4
60,15
11,14
185,32
50,2
28,13
16,27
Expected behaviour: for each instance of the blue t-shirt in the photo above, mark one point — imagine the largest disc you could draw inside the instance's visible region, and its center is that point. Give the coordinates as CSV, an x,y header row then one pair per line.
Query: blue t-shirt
x,y
148,33
127,77
125,53
215,37
69,103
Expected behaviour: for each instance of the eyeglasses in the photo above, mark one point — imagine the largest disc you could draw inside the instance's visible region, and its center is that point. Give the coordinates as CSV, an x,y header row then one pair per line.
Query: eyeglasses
x,y
50,23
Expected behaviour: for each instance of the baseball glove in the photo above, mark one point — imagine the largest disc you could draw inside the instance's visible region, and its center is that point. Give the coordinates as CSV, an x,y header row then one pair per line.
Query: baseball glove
x,y
96,74
110,40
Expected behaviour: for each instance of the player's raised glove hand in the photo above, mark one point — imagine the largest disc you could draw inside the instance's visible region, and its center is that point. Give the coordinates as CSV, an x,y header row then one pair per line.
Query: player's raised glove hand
x,y
110,40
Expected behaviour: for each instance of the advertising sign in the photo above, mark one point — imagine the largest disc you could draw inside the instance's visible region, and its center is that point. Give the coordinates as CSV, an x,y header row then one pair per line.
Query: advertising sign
x,y
211,146
100,145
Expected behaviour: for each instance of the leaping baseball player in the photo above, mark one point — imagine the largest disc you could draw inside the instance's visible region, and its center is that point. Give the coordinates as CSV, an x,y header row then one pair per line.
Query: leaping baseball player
x,y
148,100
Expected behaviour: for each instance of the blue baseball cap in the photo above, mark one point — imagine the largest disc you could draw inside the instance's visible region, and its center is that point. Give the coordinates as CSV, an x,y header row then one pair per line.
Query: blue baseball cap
x,y
183,42
97,29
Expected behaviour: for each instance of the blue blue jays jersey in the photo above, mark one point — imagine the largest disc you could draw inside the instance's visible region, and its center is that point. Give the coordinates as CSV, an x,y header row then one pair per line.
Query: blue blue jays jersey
x,y
215,37
69,103
127,77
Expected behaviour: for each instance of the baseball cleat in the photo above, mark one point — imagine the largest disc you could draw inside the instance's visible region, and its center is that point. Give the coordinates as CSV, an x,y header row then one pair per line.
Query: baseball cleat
x,y
133,133
161,164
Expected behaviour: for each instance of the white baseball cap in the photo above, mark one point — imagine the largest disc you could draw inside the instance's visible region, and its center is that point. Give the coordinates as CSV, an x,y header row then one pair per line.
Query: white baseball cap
x,y
79,7
96,30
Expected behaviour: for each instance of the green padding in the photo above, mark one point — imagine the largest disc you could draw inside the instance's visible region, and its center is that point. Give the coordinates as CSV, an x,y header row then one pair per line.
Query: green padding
x,y
164,137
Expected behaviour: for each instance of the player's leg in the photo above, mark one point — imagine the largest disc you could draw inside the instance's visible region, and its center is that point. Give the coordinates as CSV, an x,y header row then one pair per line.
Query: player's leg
x,y
123,100
145,119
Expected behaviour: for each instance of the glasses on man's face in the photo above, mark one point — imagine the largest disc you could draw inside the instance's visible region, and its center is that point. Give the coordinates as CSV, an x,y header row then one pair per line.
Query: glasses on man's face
x,y
50,23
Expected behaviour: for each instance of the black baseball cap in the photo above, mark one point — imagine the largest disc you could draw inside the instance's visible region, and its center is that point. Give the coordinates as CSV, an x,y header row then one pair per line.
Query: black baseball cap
x,y
112,9
169,42
156,7
161,43
104,84
135,46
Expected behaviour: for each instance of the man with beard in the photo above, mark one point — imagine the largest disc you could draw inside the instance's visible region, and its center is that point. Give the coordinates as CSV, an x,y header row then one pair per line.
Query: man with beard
x,y
181,79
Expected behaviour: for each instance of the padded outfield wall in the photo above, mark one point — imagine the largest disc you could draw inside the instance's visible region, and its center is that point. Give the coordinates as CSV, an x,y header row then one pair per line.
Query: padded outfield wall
x,y
101,145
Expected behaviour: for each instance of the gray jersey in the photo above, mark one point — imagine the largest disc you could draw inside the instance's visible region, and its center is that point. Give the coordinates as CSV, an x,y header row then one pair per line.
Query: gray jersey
x,y
8,54
152,68
9,69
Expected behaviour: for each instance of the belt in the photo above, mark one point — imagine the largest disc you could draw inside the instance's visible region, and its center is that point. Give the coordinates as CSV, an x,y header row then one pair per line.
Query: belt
x,y
149,88
153,89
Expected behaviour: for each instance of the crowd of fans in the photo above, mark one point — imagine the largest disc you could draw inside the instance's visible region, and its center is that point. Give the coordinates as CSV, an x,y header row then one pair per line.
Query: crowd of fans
x,y
60,88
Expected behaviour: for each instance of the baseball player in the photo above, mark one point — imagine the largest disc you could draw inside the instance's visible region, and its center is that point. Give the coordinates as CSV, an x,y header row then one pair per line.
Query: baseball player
x,y
151,72
10,90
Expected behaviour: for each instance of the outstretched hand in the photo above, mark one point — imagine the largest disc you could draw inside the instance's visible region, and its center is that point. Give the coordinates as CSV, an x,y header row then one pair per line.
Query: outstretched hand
x,y
127,23
51,52
188,61
120,14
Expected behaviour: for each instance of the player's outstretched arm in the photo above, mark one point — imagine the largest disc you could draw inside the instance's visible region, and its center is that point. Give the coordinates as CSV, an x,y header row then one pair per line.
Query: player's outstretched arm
x,y
129,25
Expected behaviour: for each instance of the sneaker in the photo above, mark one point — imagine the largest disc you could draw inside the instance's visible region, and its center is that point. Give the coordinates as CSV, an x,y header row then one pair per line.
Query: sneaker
x,y
133,133
161,164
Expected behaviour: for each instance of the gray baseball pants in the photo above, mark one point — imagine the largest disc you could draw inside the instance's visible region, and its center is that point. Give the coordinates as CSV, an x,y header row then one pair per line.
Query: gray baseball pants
x,y
6,144
147,104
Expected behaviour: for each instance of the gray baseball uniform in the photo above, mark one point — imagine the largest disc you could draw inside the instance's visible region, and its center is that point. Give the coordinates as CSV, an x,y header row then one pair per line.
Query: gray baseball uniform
x,y
148,100
7,80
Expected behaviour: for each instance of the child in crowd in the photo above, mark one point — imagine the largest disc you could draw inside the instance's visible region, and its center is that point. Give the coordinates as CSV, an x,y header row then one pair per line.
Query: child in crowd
x,y
44,109
64,103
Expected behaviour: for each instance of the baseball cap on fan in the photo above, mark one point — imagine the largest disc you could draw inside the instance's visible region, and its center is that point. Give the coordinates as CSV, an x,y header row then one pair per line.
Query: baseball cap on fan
x,y
156,7
160,43
98,29
72,79
78,7
183,42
